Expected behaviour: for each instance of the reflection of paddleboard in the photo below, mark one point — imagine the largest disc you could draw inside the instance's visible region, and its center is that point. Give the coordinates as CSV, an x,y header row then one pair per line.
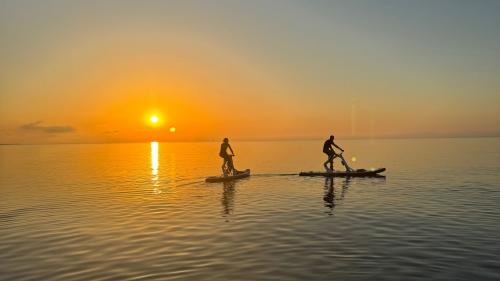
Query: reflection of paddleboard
x,y
356,173
243,174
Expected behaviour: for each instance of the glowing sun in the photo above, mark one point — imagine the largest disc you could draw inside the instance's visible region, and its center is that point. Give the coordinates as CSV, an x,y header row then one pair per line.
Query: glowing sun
x,y
154,119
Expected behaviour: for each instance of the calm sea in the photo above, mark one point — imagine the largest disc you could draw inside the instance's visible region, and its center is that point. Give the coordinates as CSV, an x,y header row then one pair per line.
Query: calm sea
x,y
143,212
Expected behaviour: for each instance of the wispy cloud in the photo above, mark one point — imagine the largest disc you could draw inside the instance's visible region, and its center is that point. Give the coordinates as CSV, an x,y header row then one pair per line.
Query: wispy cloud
x,y
36,126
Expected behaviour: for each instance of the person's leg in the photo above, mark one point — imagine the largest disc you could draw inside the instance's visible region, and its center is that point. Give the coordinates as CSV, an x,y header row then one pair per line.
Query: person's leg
x,y
329,160
332,156
224,166
325,164
230,165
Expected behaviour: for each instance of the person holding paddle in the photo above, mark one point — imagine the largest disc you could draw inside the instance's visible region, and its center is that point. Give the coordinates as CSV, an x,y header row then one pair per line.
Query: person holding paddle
x,y
328,150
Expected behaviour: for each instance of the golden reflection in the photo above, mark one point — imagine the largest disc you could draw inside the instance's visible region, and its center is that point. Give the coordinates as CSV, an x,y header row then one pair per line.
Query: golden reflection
x,y
154,166
228,199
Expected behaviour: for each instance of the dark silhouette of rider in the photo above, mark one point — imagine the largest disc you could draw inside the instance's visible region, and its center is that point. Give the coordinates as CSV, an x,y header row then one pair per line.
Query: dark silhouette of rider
x,y
328,150
227,164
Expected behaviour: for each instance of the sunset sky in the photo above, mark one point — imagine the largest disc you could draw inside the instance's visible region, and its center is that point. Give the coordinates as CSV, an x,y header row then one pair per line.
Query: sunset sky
x,y
96,71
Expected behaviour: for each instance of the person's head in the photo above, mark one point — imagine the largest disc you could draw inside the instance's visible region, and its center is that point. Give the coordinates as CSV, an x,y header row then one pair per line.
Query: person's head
x,y
332,137
226,140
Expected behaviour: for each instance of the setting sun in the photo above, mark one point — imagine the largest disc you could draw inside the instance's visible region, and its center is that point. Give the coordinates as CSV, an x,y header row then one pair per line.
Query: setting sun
x,y
96,181
154,119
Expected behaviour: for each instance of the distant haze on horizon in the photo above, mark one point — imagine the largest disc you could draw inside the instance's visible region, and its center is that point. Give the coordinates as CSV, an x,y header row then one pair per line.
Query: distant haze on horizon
x,y
95,71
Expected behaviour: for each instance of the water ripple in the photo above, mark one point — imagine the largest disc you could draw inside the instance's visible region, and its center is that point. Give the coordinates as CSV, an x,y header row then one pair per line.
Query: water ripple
x,y
114,218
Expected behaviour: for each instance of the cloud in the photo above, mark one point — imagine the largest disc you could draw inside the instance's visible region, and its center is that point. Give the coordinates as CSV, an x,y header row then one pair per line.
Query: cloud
x,y
36,126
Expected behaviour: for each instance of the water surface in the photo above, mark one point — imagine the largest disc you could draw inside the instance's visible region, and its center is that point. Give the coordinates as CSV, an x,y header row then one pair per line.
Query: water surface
x,y
143,212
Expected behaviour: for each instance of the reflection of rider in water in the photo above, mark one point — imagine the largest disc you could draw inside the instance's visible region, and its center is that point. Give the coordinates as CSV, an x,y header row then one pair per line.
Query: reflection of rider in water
x,y
329,196
227,199
345,186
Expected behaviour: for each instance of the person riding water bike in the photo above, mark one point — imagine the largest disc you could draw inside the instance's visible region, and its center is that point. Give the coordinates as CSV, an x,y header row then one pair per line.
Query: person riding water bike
x,y
227,164
328,150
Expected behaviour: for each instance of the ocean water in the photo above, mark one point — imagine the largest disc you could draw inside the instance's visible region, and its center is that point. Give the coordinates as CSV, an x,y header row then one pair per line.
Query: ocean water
x,y
143,212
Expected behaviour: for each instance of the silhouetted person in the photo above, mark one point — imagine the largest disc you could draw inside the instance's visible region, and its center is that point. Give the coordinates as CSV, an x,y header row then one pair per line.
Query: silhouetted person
x,y
227,165
328,150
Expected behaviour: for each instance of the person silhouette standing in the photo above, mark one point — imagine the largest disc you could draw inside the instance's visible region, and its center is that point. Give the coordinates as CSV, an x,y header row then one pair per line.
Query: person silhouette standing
x,y
227,164
330,152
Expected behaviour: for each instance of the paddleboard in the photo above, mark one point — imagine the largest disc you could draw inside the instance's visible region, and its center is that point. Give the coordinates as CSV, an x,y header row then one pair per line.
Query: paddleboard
x,y
356,173
243,174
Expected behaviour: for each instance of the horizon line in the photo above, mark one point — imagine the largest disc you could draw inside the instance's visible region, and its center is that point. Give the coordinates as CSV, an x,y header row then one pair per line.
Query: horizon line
x,y
402,137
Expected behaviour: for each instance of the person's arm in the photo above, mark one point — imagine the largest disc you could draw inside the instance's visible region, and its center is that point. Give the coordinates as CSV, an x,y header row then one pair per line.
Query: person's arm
x,y
230,148
334,144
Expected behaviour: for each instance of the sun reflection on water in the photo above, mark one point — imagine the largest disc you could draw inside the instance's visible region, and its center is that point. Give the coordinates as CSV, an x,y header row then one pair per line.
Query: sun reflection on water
x,y
154,166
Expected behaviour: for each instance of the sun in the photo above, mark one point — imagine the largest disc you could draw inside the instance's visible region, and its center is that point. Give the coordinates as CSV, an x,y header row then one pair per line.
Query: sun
x,y
154,119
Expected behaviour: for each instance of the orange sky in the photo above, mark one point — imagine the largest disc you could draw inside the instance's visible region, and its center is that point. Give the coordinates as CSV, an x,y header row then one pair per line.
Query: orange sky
x,y
72,73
